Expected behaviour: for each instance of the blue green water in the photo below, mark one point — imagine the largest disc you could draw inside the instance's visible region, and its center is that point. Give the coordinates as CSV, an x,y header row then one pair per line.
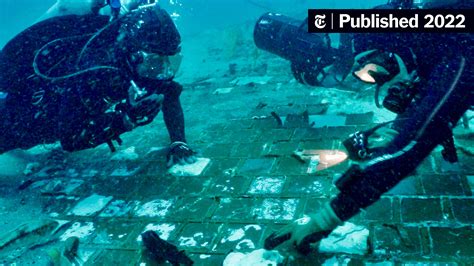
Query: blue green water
x,y
194,15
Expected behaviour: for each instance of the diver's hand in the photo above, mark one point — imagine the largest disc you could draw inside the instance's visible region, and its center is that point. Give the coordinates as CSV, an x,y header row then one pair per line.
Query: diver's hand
x,y
143,111
180,153
302,232
296,231
366,145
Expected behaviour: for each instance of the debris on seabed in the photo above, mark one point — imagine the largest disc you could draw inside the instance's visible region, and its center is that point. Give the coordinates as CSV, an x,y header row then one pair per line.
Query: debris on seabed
x,y
34,233
79,230
194,169
154,208
238,236
128,154
348,238
164,230
242,81
61,187
259,257
90,205
223,90
31,168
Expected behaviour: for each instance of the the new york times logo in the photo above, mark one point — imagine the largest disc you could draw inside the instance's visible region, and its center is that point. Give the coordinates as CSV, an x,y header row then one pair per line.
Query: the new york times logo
x,y
413,20
320,21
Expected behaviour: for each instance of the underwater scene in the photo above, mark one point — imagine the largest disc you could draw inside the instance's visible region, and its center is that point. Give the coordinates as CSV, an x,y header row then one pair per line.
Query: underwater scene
x,y
207,132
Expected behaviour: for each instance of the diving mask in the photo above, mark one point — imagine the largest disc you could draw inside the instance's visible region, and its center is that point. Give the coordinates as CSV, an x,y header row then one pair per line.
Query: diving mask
x,y
158,67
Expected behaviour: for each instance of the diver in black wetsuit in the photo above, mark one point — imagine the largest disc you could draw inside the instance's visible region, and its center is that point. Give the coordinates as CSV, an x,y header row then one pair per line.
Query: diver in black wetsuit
x,y
430,101
84,81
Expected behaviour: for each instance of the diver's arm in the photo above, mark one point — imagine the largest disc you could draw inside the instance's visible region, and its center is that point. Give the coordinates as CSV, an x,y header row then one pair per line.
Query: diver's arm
x,y
173,111
361,186
171,105
423,127
174,119
180,152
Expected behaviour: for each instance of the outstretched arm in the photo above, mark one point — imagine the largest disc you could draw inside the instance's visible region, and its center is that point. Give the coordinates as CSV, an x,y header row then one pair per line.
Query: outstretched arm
x,y
426,126
174,119
173,111
422,128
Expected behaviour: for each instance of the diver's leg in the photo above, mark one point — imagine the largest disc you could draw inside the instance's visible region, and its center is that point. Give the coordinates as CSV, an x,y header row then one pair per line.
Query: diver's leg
x,y
438,112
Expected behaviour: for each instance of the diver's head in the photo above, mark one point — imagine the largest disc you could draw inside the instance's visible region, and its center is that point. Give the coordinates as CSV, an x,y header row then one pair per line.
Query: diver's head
x,y
152,42
150,29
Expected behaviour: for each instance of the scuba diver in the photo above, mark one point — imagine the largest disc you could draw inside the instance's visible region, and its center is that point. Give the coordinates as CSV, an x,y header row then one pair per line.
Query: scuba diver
x,y
84,81
428,79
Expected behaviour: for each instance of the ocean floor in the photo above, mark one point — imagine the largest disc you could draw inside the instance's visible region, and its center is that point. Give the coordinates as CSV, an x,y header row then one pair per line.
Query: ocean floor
x,y
246,184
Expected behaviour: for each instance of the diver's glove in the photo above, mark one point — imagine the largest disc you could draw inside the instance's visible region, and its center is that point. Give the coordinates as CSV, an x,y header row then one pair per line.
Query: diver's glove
x,y
366,145
143,111
304,231
180,153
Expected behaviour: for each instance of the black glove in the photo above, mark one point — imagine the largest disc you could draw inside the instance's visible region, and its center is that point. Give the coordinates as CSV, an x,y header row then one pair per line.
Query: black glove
x,y
143,111
180,153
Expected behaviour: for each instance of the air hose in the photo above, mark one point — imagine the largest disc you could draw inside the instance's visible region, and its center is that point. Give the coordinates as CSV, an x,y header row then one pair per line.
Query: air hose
x,y
48,77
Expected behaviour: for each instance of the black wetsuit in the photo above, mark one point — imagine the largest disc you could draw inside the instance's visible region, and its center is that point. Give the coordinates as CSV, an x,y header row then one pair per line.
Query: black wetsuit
x,y
81,96
445,65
